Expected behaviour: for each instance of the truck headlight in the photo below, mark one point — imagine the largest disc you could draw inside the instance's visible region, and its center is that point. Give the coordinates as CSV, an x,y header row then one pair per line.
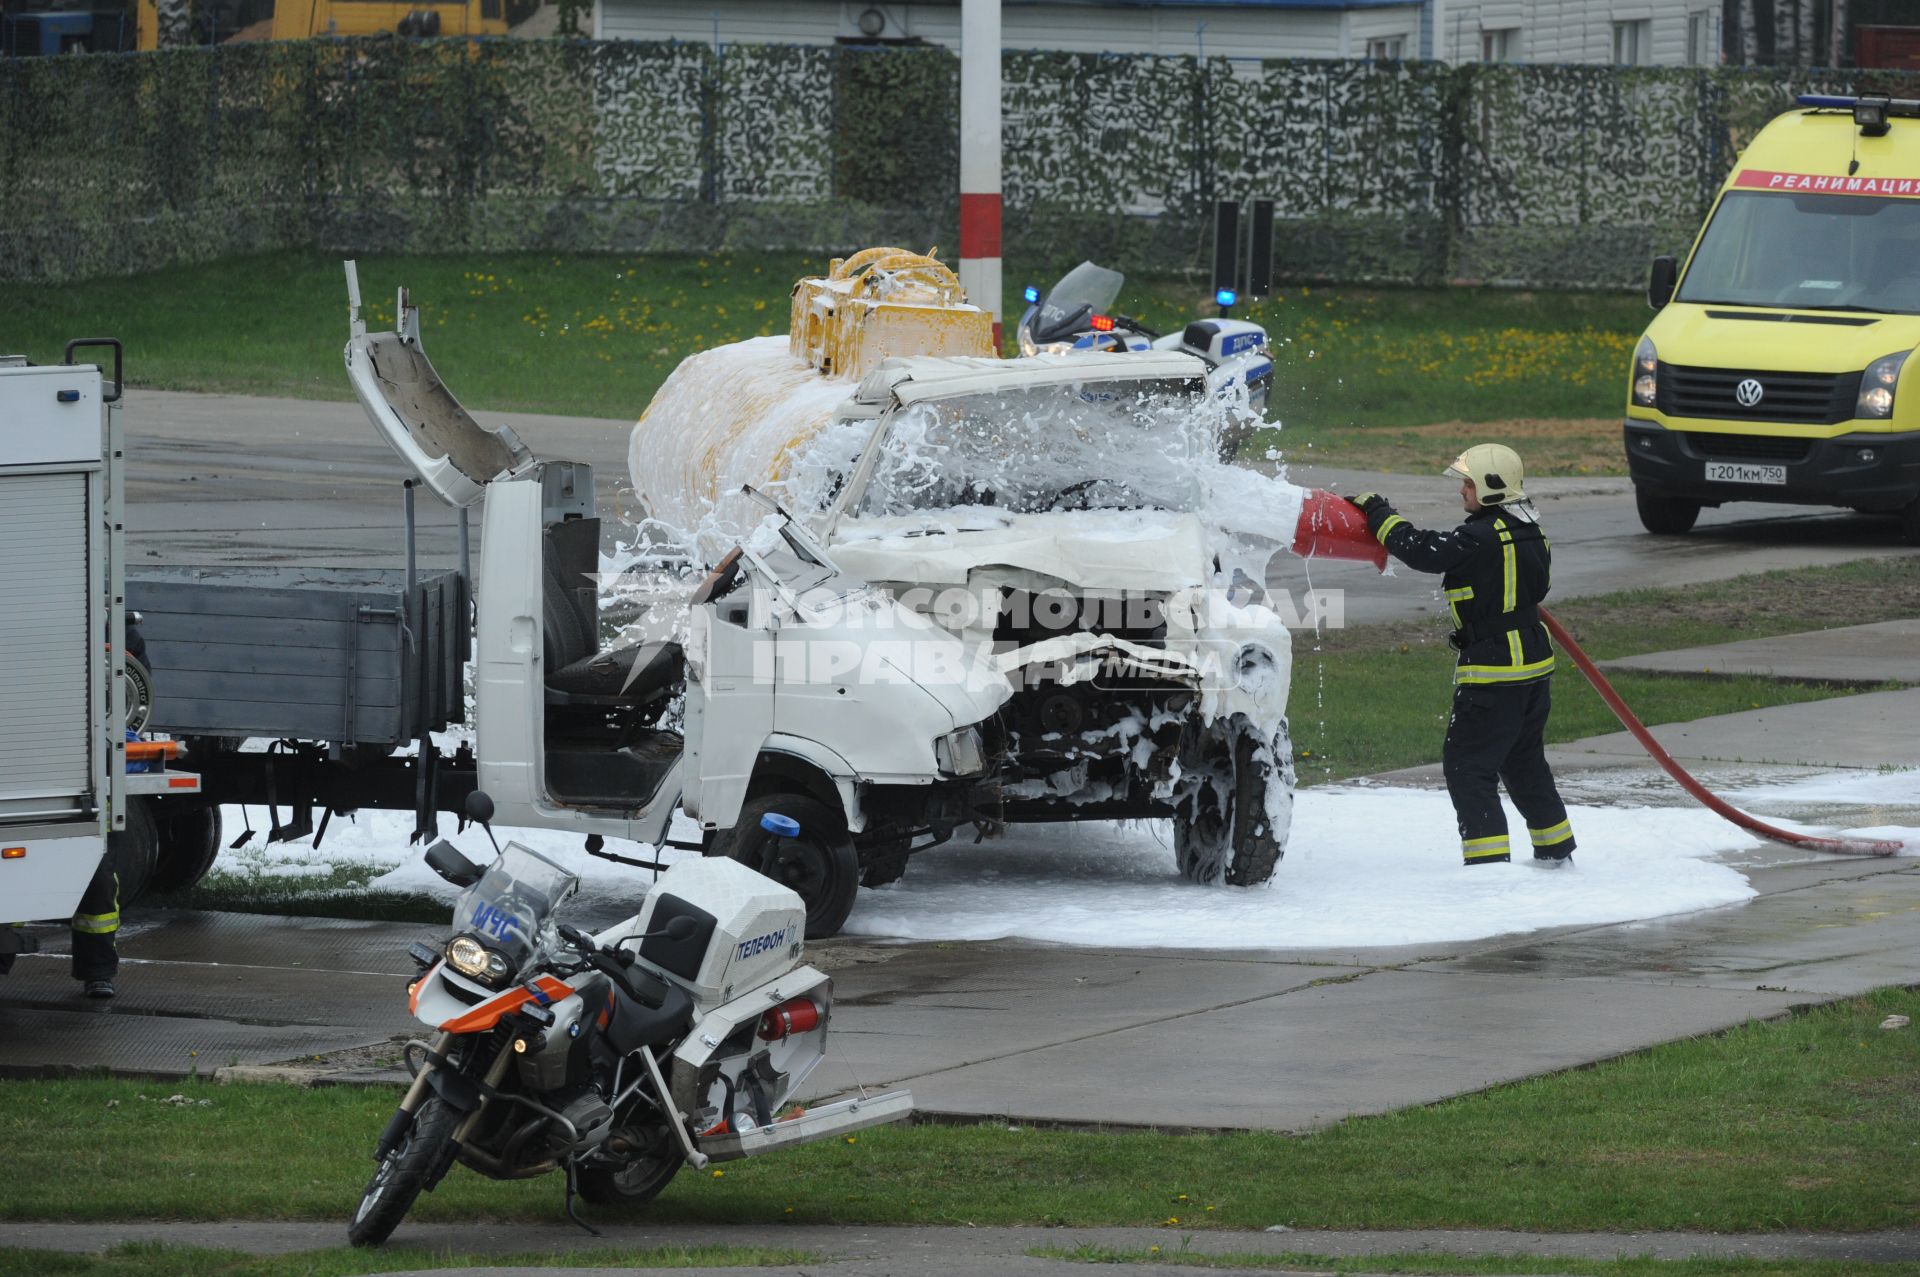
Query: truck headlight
x,y
477,962
1876,386
1646,373
961,753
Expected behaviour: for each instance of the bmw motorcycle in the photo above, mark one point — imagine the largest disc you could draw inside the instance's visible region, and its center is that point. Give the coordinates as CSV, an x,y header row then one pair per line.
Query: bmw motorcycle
x,y
678,1037
1077,314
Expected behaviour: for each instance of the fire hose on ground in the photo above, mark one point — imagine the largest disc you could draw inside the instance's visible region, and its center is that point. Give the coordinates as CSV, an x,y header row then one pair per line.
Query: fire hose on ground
x,y
1331,527
1813,842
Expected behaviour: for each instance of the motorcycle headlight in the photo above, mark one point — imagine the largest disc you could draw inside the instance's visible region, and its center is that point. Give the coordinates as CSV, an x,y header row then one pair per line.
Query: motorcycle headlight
x,y
961,753
1877,384
477,962
1646,373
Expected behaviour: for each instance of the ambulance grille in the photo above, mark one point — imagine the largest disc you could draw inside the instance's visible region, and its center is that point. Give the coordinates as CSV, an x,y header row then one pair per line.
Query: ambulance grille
x,y
1812,398
1716,447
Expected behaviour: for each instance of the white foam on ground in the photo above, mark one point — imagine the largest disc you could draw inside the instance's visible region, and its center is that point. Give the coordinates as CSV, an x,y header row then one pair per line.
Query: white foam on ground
x,y
1872,792
1366,867
1849,787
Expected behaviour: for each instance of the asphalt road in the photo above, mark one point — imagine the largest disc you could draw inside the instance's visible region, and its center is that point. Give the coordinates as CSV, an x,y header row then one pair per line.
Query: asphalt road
x,y
223,479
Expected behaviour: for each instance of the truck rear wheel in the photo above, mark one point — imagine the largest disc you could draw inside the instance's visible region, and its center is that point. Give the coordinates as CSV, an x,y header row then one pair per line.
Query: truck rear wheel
x,y
820,863
1666,516
1223,829
134,850
189,843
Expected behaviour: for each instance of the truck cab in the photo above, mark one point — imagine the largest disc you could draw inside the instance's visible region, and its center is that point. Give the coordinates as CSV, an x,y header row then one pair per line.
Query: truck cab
x,y
1777,368
815,729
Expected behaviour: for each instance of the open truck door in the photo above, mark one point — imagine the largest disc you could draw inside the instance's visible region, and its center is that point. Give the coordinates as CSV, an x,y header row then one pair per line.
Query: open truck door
x,y
455,456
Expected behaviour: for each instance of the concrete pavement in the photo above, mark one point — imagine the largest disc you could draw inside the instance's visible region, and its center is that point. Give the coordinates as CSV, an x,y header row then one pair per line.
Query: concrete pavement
x,y
1598,544
1885,652
859,1251
1036,1033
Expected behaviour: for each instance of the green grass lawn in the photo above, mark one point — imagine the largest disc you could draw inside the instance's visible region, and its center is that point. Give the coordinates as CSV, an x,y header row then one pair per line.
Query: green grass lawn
x,y
1359,371
1804,1123
1479,1265
1376,698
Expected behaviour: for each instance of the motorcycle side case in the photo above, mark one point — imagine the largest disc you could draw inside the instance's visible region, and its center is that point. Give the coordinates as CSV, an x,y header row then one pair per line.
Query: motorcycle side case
x,y
749,929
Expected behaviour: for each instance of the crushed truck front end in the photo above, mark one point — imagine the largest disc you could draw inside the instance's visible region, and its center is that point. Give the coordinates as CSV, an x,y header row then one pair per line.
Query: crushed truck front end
x,y
1778,368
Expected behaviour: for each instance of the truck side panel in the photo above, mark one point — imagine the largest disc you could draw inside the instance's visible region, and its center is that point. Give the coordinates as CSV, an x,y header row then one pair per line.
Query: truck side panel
x,y
45,746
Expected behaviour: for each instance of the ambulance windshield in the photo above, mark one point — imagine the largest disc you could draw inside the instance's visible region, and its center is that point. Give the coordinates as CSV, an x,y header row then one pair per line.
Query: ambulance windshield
x,y
1809,251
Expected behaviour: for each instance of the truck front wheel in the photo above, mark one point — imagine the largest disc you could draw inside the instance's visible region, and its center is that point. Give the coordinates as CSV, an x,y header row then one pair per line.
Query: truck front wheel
x,y
1910,523
820,863
133,850
1666,516
1233,783
189,844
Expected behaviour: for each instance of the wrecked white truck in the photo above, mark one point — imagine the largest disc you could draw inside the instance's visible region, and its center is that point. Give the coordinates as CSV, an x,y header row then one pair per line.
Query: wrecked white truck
x,y
1060,515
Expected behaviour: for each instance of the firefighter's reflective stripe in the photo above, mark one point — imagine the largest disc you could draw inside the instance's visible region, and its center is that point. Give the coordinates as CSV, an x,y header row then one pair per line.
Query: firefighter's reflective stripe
x,y
1509,571
97,924
1556,833
1502,673
1484,848
1454,599
1387,527
1514,655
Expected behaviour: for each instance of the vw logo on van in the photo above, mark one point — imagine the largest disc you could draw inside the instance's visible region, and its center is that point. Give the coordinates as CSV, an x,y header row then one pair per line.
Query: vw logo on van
x,y
1749,391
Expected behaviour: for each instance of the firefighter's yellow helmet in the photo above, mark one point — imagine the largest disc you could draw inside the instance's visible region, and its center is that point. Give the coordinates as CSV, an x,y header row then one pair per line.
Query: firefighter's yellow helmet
x,y
1497,474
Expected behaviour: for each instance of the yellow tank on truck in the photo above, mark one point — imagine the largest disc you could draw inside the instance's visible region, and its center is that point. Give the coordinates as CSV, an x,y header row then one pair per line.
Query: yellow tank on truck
x,y
1777,368
742,413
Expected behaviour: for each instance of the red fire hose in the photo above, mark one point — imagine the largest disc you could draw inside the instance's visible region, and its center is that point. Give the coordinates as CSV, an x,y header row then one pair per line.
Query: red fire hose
x,y
1813,842
1332,527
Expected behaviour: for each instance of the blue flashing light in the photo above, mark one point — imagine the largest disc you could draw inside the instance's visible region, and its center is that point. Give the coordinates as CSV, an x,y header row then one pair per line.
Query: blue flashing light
x,y
1032,294
1226,296
1826,100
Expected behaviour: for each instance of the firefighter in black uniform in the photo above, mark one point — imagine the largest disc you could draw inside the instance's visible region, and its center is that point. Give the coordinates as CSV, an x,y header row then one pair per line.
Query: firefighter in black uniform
x,y
96,923
1497,567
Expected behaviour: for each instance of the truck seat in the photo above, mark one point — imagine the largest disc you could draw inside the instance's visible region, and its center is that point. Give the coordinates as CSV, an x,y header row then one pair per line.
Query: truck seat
x,y
635,674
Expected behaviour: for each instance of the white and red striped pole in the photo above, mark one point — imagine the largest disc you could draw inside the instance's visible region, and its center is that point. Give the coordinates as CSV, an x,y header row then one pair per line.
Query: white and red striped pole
x,y
980,156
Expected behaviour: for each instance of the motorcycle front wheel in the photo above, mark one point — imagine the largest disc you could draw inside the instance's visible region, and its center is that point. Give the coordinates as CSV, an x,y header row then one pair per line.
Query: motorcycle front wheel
x,y
651,1164
408,1169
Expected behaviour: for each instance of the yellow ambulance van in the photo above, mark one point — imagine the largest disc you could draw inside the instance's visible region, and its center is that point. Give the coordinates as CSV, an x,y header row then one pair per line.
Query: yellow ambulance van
x,y
1777,367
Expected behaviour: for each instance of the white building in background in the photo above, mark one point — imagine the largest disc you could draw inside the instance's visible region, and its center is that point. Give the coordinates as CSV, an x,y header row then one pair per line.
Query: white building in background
x,y
1647,33
1230,28
1628,32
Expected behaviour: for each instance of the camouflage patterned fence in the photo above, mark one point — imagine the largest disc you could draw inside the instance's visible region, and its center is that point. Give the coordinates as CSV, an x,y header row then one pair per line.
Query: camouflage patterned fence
x,y
1412,172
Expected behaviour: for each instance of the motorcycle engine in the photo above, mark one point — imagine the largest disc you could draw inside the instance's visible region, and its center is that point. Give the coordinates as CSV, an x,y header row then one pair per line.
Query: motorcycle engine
x,y
590,1117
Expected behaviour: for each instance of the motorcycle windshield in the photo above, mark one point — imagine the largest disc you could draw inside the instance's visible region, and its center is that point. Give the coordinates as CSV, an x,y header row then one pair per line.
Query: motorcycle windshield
x,y
1083,292
512,905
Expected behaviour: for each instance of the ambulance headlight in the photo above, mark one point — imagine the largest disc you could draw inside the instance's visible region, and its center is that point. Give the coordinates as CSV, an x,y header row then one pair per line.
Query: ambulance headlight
x,y
1877,385
1646,374
961,753
477,962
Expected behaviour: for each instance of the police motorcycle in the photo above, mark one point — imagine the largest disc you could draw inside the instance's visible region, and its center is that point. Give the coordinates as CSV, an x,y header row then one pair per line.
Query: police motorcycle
x,y
678,1037
1077,314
